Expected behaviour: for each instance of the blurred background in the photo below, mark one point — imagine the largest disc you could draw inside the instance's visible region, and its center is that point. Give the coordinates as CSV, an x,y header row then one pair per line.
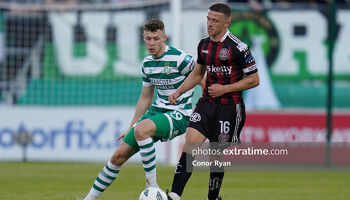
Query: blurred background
x,y
70,71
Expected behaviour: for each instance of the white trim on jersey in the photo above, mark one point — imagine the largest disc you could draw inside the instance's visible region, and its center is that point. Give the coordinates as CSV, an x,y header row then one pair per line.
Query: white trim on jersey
x,y
165,58
171,124
235,138
249,69
160,104
224,37
235,38
169,92
147,84
159,70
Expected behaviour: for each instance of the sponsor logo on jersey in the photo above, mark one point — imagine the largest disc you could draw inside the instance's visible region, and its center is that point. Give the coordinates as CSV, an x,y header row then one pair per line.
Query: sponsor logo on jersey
x,y
161,81
224,54
221,69
205,51
195,117
249,59
242,47
163,84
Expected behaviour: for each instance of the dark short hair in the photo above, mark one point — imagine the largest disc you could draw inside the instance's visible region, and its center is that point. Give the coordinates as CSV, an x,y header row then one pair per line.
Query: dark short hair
x,y
221,8
153,25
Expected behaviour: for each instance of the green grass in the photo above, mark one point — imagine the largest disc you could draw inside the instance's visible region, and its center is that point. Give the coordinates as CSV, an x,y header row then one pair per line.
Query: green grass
x,y
61,181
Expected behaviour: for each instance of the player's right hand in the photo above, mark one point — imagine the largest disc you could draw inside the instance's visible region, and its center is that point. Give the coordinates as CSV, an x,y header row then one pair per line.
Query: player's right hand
x,y
172,98
122,136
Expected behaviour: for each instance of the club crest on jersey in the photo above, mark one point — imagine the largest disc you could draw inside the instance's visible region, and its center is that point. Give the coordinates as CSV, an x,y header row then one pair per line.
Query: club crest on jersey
x,y
195,117
223,137
167,69
224,54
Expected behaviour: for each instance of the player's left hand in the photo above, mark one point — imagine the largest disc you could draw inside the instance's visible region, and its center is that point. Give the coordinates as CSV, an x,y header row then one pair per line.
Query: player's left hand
x,y
216,90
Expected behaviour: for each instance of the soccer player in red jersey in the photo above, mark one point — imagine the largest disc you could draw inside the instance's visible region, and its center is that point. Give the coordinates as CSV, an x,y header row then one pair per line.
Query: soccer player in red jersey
x,y
220,114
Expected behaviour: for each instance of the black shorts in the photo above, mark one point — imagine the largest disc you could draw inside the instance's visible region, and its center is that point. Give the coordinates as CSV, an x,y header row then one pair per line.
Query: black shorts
x,y
218,122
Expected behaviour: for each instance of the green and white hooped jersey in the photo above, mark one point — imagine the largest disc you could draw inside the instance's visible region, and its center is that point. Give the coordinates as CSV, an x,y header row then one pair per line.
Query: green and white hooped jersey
x,y
167,73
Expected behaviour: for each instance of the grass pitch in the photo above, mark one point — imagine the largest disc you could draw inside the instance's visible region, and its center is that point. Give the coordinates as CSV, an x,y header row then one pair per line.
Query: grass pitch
x,y
71,181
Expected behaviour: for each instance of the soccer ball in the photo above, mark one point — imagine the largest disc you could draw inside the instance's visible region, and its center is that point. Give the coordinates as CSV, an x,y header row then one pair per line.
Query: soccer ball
x,y
153,193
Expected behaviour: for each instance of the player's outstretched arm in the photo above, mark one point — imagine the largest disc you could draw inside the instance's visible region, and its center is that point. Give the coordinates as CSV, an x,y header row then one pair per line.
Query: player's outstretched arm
x,y
192,80
142,106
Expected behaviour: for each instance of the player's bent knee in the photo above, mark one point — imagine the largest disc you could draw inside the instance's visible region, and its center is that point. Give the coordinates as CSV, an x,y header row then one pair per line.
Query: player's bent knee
x,y
141,132
119,157
117,160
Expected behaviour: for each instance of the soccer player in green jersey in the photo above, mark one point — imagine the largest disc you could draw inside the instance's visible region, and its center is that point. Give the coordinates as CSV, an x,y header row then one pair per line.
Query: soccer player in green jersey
x,y
165,69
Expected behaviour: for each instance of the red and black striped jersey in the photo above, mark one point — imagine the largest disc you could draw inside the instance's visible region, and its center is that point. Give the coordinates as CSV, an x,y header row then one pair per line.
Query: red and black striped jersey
x,y
226,62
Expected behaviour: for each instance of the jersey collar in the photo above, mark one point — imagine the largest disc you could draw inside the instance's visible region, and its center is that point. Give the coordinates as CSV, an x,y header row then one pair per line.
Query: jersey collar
x,y
224,37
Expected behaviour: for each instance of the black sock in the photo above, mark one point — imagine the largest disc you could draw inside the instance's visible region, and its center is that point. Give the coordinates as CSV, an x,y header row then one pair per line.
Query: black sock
x,y
215,181
181,175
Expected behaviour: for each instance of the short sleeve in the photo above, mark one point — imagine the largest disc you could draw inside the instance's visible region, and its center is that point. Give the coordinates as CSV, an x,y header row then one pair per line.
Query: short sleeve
x,y
187,65
200,59
245,59
145,80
